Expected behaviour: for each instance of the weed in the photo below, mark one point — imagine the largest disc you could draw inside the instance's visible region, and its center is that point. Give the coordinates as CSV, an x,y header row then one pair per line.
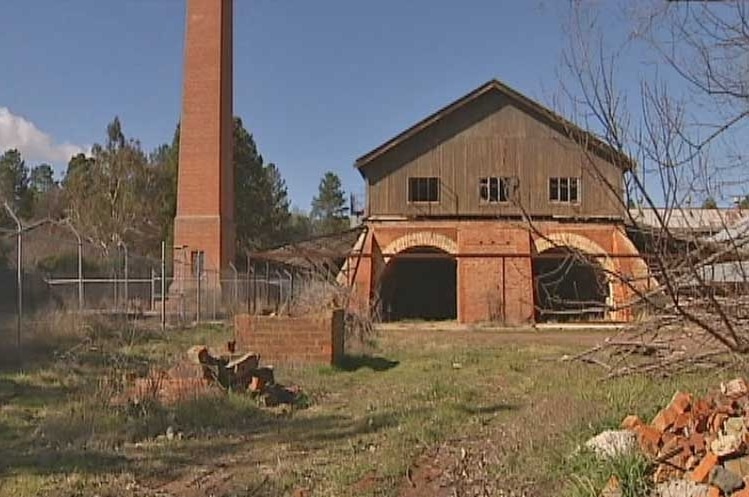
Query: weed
x,y
590,475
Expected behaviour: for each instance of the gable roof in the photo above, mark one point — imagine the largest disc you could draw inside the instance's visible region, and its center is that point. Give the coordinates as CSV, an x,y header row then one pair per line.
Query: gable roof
x,y
551,118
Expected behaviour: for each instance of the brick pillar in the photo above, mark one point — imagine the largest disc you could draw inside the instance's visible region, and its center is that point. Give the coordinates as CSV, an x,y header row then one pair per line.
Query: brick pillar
x,y
205,189
370,268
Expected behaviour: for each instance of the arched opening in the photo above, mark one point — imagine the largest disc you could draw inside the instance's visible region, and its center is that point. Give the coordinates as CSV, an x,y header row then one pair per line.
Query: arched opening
x,y
419,287
568,286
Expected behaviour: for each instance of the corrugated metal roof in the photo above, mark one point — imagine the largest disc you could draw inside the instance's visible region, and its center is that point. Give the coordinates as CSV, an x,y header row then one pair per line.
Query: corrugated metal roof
x,y
738,232
726,272
694,219
328,251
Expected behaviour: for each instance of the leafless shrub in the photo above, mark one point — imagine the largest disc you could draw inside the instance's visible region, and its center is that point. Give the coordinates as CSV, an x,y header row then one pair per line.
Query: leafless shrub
x,y
683,131
318,294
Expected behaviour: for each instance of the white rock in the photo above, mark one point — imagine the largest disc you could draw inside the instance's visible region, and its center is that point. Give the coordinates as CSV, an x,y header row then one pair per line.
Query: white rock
x,y
681,488
612,443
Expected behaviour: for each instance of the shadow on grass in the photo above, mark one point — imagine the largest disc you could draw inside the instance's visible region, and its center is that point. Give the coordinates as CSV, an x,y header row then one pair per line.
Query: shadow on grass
x,y
490,409
160,461
24,394
375,363
62,461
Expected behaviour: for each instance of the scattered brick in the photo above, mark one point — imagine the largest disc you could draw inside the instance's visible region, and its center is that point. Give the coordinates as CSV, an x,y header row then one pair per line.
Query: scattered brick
x,y
702,471
664,419
649,439
700,440
631,421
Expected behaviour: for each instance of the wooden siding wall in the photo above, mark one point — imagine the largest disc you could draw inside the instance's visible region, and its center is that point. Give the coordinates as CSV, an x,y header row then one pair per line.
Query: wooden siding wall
x,y
491,137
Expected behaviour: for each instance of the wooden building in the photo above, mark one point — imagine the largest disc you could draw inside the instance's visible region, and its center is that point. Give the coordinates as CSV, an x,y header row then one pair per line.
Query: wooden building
x,y
495,208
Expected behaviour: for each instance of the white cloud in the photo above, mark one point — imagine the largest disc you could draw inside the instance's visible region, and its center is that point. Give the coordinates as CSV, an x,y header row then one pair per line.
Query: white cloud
x,y
34,144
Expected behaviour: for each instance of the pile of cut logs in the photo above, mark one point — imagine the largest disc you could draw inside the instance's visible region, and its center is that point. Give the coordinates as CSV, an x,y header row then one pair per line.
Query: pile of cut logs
x,y
206,372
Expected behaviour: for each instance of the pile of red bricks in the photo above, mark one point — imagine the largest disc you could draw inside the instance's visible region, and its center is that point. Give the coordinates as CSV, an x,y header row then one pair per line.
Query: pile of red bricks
x,y
705,440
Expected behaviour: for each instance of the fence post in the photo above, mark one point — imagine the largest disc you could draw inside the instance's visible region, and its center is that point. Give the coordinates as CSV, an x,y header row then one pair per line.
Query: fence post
x,y
267,284
19,278
163,286
80,263
236,284
114,288
216,287
198,270
153,290
124,247
251,274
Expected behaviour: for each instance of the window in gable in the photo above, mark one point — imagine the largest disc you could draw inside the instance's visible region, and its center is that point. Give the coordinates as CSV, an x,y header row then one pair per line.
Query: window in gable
x,y
564,190
496,189
424,189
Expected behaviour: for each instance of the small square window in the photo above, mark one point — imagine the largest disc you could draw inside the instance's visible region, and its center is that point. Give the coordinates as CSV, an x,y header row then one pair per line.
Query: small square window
x,y
496,189
565,190
423,189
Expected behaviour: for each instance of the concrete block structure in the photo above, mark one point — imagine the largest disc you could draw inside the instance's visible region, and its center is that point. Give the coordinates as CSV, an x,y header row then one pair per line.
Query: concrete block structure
x,y
204,233
495,209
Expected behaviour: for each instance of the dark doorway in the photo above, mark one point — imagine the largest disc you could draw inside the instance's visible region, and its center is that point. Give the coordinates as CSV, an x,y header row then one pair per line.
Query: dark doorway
x,y
419,288
568,287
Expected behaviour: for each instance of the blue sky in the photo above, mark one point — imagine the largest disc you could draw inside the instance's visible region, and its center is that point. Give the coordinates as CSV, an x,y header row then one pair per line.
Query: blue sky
x,y
318,83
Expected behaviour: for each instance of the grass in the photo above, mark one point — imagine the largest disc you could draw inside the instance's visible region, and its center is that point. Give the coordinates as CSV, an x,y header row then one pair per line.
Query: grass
x,y
374,414
589,475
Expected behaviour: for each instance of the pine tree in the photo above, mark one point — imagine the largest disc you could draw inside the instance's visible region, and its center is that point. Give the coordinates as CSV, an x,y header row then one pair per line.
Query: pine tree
x,y
329,206
14,184
262,207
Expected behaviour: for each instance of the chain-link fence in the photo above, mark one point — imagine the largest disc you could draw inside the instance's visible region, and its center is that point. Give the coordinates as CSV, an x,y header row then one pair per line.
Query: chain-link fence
x,y
50,267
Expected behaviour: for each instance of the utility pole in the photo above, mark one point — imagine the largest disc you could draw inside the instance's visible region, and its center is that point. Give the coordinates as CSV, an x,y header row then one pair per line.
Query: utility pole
x,y
124,247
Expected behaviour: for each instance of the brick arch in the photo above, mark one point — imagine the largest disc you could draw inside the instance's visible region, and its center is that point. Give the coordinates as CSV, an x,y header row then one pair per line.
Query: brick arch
x,y
640,269
421,239
583,244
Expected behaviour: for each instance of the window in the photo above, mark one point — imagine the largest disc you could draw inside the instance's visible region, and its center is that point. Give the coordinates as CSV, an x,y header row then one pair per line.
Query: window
x,y
197,262
566,190
423,189
494,190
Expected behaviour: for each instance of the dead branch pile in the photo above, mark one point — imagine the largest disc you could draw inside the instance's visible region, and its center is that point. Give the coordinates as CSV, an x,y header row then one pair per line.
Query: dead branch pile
x,y
661,346
321,295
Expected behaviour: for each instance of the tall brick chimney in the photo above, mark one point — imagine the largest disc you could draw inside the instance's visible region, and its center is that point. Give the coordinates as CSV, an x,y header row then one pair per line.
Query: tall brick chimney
x,y
204,233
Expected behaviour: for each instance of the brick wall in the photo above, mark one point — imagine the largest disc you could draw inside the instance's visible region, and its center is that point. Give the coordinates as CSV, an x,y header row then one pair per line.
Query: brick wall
x,y
482,293
490,289
315,339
